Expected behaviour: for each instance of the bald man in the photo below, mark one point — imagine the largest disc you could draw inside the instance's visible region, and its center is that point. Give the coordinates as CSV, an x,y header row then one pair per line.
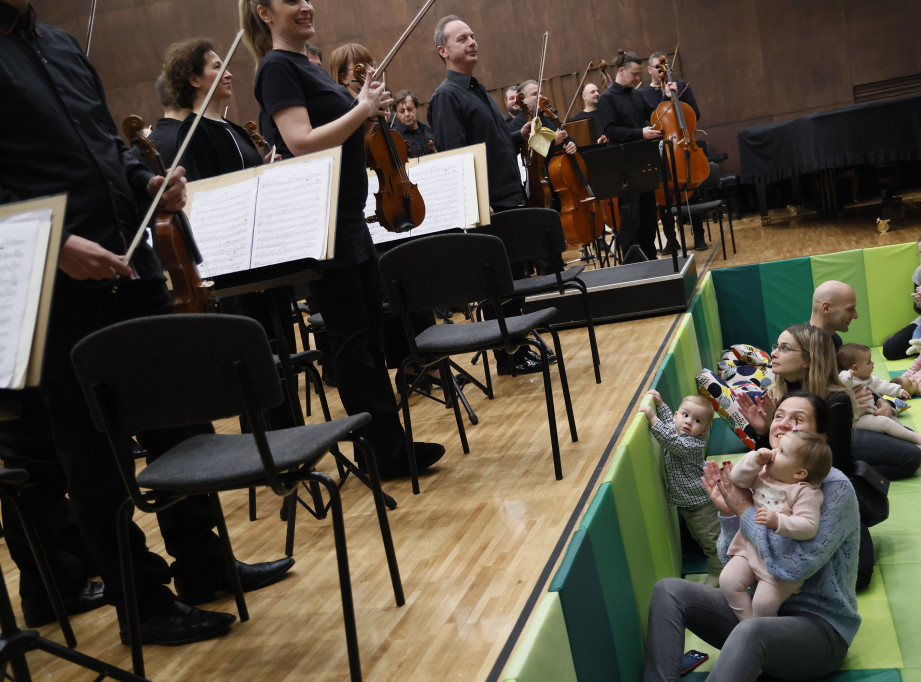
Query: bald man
x,y
834,306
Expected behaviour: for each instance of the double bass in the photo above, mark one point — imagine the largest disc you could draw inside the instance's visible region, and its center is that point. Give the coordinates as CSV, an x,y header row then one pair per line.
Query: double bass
x,y
173,239
678,123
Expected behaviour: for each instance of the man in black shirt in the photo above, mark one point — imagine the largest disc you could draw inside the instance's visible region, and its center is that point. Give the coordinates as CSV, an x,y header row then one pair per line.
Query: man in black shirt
x,y
511,103
462,113
590,97
414,132
623,116
653,94
66,142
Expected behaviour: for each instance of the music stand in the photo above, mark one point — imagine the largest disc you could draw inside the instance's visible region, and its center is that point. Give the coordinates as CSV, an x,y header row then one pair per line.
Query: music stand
x,y
621,169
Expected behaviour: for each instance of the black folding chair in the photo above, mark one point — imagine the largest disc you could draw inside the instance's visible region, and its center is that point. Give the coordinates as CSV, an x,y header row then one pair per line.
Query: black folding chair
x,y
537,234
450,270
180,370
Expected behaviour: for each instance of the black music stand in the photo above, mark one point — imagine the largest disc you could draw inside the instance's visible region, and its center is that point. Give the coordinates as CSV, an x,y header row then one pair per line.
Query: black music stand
x,y
621,169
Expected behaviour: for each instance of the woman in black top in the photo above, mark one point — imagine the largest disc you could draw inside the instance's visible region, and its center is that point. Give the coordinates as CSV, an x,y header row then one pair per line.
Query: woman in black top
x,y
218,145
309,112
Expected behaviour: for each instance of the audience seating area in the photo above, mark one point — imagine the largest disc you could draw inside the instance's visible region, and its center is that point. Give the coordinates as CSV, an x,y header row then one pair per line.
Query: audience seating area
x,y
590,624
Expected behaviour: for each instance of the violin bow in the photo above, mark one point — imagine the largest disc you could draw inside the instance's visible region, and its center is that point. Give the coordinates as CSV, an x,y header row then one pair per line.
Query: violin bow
x,y
540,73
89,28
402,39
578,92
139,235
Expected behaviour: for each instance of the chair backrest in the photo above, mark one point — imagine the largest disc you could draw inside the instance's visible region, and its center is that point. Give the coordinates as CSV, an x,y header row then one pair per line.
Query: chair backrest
x,y
176,370
528,233
445,270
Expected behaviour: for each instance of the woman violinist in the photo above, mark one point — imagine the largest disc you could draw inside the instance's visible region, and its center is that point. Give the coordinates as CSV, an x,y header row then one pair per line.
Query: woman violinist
x,y
309,111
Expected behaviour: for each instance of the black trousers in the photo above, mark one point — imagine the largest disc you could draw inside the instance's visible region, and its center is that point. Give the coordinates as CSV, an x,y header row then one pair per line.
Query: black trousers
x,y
638,223
94,483
351,302
26,443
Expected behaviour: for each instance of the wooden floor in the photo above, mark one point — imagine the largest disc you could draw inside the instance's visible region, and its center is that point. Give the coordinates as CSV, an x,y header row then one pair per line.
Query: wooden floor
x,y
473,546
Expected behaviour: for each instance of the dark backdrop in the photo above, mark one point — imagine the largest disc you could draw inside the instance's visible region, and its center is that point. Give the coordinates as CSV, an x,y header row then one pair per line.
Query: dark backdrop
x,y
749,61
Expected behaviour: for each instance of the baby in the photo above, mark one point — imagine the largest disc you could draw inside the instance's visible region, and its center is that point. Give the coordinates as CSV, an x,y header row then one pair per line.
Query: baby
x,y
785,484
857,370
681,438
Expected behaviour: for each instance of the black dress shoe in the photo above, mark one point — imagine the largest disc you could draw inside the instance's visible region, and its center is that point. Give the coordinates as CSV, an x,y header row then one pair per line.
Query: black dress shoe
x,y
181,624
426,455
37,611
700,244
521,364
532,354
252,576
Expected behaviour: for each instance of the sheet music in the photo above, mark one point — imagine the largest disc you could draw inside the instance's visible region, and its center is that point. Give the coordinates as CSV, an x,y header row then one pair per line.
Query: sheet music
x,y
448,188
222,221
23,248
292,213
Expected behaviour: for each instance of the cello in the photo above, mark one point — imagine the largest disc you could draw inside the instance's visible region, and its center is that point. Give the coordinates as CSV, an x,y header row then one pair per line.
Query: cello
x,y
678,123
582,215
173,239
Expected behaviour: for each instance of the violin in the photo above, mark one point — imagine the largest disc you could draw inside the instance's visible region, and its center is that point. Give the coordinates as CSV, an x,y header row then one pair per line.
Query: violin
x,y
173,239
400,206
582,215
539,193
678,123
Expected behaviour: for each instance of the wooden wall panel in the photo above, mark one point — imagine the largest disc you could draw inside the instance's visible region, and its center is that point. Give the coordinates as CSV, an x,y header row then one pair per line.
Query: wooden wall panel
x,y
748,61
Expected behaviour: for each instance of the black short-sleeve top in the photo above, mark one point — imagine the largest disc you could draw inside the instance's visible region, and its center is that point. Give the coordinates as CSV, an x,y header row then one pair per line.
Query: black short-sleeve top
x,y
287,79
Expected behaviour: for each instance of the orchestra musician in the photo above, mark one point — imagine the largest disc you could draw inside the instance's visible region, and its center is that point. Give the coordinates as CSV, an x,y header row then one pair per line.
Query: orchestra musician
x,y
529,89
511,103
314,53
623,116
165,135
66,142
415,133
462,113
590,95
654,94
308,111
342,63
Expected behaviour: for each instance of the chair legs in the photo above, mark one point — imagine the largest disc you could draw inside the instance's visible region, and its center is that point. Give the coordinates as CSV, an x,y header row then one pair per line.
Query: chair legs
x,y
132,614
548,393
590,324
230,562
345,580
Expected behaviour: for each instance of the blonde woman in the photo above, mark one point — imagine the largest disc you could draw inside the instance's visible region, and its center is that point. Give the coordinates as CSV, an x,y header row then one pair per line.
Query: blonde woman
x,y
309,111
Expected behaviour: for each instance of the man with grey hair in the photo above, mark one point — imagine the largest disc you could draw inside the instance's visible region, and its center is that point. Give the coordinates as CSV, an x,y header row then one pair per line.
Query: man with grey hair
x,y
462,113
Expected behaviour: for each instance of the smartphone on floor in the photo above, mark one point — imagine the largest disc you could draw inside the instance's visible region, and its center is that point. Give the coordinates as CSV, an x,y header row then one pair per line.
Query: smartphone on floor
x,y
691,660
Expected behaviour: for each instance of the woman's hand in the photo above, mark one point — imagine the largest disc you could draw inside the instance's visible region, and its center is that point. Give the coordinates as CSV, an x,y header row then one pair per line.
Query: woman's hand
x,y
726,495
759,412
373,97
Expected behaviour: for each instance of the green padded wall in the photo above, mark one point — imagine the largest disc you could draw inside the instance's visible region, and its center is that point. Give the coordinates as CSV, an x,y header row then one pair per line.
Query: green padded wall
x,y
847,267
706,352
666,382
707,296
889,295
633,530
603,528
786,288
687,357
587,624
543,654
661,523
738,290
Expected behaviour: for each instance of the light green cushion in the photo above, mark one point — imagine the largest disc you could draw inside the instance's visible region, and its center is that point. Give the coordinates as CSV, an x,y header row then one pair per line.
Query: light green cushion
x,y
888,272
543,654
